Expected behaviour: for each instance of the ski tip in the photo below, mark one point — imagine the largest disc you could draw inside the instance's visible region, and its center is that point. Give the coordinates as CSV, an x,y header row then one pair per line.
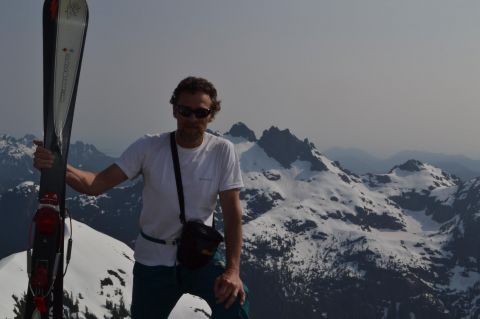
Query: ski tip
x,y
51,8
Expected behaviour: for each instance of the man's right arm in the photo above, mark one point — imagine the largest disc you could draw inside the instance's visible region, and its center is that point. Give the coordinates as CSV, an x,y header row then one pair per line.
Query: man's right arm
x,y
82,181
95,184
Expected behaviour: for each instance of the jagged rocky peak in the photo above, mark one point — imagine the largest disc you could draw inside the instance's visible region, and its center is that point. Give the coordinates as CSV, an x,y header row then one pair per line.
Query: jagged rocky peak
x,y
17,147
7,141
88,156
6,137
411,165
79,146
441,178
84,150
241,130
13,149
26,139
286,148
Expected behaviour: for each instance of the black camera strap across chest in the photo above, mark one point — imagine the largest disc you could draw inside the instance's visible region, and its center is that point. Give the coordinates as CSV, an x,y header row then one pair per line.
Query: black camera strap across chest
x,y
178,177
181,200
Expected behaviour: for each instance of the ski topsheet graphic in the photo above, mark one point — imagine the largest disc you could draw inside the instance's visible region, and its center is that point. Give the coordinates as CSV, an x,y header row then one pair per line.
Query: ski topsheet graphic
x,y
71,23
64,29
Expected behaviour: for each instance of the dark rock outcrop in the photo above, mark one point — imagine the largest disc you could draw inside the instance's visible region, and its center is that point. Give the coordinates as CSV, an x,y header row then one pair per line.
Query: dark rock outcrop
x,y
286,148
241,130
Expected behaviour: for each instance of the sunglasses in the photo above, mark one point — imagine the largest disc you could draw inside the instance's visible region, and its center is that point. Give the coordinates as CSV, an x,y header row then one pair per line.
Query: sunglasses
x,y
199,113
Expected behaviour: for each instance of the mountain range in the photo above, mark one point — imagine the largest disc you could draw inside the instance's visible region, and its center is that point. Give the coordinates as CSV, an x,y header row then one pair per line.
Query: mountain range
x,y
361,162
320,241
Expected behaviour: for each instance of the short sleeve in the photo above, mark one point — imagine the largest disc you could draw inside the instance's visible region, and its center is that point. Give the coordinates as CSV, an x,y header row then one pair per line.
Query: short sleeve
x,y
230,172
132,159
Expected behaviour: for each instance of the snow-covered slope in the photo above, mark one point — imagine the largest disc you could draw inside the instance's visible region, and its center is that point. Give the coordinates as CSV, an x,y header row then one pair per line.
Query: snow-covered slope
x,y
100,272
322,242
319,233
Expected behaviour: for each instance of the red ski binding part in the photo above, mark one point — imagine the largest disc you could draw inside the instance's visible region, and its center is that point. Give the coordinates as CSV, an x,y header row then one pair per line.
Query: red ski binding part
x,y
49,199
47,220
40,304
47,217
40,277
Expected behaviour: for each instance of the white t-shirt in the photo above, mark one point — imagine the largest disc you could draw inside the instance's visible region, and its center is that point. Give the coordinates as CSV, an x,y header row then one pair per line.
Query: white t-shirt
x,y
206,170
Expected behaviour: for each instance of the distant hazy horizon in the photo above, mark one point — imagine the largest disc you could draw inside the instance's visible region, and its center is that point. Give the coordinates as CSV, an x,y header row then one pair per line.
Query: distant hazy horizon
x,y
381,76
116,150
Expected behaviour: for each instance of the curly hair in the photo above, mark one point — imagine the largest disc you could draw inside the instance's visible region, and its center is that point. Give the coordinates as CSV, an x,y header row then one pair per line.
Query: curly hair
x,y
193,85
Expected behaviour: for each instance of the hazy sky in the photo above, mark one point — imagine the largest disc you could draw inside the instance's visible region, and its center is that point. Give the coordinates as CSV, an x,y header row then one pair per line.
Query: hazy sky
x,y
379,75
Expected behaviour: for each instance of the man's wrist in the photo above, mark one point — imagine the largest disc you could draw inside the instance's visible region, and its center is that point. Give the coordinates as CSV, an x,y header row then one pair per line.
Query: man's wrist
x,y
232,269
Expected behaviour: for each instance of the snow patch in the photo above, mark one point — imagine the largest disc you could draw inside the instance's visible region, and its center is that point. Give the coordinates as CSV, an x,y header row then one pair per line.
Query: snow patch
x,y
463,279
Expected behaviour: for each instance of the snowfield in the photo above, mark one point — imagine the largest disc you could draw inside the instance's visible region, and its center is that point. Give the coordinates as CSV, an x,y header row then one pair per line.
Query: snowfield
x,y
95,258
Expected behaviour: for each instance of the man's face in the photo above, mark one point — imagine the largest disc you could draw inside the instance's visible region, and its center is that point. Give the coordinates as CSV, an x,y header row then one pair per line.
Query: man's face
x,y
191,127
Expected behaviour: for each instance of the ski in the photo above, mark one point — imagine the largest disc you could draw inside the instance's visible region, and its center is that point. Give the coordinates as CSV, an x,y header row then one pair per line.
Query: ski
x,y
64,29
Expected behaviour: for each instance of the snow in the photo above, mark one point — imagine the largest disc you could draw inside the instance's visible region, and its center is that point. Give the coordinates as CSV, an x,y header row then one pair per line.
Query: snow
x,y
419,223
26,184
445,194
308,196
428,177
463,279
14,148
253,158
12,275
461,228
86,200
115,256
95,256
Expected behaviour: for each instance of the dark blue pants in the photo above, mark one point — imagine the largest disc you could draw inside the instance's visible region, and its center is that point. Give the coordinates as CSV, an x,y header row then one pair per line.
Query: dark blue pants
x,y
157,289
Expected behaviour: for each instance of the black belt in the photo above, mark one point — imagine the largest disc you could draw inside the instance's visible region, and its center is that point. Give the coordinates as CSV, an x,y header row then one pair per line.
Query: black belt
x,y
160,241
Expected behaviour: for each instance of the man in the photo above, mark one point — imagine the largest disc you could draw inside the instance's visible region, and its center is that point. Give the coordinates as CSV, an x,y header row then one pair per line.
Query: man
x,y
209,167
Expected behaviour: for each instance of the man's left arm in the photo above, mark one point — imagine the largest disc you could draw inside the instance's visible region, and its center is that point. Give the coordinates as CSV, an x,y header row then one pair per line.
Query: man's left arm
x,y
229,286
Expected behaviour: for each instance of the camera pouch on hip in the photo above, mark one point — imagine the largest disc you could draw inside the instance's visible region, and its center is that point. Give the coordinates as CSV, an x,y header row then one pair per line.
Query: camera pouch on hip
x,y
198,244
